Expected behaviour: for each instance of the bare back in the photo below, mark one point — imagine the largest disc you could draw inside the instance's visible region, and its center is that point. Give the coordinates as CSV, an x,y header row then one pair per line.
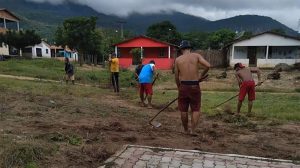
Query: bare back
x,y
187,67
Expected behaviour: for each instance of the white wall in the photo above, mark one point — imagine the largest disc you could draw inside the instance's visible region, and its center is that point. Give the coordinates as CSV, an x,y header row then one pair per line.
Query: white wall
x,y
43,46
269,40
240,54
4,49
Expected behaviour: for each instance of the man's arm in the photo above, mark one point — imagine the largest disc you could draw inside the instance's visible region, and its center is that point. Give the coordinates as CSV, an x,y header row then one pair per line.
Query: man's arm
x,y
177,74
238,79
206,65
258,72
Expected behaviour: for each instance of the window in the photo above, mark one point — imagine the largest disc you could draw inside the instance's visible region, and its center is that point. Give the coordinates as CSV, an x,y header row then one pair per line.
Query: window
x,y
162,53
47,51
240,52
279,52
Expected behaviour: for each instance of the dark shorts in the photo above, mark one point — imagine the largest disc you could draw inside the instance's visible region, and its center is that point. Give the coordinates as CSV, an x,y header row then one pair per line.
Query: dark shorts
x,y
189,95
146,88
247,87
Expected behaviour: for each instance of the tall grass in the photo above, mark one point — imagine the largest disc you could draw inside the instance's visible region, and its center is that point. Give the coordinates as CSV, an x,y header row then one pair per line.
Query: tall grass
x,y
54,70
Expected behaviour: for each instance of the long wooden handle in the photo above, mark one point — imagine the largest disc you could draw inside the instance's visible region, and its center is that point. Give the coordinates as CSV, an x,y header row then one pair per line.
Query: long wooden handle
x,y
163,109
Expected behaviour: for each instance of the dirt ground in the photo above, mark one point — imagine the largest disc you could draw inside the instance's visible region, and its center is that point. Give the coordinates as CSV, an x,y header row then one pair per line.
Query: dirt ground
x,y
84,131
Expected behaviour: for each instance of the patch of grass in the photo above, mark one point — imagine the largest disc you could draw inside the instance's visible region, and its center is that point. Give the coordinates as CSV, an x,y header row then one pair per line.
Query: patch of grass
x,y
74,140
280,106
25,154
297,90
54,70
31,165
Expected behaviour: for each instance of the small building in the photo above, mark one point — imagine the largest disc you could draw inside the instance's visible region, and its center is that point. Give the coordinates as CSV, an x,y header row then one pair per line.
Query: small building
x,y
162,53
265,50
58,52
41,50
8,21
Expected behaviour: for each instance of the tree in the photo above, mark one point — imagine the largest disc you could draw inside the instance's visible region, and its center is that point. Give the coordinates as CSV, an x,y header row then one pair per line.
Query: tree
x,y
199,40
80,33
20,39
220,38
164,31
278,31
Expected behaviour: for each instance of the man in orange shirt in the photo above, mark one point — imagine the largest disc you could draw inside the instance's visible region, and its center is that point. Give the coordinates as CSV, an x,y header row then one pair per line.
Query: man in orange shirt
x,y
114,69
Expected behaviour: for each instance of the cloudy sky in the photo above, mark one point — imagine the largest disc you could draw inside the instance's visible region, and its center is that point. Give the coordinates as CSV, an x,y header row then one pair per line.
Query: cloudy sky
x,y
285,11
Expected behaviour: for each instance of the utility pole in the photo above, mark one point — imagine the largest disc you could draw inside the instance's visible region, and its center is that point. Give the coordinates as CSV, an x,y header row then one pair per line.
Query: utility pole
x,y
122,31
298,26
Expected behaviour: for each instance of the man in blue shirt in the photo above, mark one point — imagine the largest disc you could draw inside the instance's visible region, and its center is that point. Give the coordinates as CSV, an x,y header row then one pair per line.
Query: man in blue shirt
x,y
145,80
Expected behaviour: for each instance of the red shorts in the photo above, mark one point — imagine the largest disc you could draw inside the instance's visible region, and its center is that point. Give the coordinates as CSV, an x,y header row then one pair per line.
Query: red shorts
x,y
146,88
247,87
189,95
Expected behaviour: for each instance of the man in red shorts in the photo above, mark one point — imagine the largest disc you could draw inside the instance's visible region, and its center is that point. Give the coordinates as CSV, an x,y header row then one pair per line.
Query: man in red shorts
x,y
246,84
187,80
145,80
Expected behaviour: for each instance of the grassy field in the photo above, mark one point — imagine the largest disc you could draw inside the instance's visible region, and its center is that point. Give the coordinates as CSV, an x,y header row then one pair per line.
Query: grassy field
x,y
271,103
54,70
44,124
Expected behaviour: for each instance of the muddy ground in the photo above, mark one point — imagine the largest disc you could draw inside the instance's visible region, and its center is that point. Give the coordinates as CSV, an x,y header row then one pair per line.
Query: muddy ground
x,y
84,130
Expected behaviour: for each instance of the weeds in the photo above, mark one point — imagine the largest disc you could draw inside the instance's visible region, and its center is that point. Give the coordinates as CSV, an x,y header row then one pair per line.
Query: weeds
x,y
25,154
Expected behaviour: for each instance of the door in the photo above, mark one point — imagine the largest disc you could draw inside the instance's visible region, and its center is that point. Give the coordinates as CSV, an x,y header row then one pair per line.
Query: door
x,y
252,56
38,52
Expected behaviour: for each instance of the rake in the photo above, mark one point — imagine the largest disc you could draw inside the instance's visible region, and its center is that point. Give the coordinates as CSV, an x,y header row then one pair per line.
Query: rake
x,y
157,124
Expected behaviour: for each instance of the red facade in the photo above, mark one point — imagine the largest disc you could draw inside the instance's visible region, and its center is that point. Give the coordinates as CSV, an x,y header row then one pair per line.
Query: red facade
x,y
161,52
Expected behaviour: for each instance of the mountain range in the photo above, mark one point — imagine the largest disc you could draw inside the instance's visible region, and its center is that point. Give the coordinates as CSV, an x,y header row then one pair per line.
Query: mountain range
x,y
45,17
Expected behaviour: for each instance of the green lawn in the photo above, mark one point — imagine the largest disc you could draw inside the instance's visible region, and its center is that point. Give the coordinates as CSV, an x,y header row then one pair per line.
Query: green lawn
x,y
269,104
54,70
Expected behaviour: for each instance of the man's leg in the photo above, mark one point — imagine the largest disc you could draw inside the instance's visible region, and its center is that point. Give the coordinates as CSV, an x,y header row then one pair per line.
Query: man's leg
x,y
142,94
250,104
239,105
185,121
195,121
114,81
67,79
149,93
73,79
149,97
117,81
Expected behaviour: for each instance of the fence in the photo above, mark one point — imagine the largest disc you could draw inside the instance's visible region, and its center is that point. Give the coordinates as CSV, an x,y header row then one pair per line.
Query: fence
x,y
216,58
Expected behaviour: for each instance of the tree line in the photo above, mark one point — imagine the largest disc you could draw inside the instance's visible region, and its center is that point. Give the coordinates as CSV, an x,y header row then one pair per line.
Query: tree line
x,y
94,44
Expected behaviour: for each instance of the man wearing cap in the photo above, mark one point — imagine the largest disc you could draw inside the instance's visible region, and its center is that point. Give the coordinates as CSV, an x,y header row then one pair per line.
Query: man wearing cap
x,y
187,80
145,80
246,84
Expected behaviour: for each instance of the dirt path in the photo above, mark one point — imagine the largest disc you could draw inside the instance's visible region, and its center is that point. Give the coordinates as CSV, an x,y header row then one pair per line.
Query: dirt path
x,y
86,130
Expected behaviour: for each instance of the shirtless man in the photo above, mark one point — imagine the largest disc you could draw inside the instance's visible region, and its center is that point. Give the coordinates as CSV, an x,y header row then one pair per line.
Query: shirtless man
x,y
246,84
187,80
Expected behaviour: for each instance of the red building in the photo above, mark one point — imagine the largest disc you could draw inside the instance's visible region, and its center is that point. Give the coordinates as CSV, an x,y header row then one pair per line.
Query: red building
x,y
162,53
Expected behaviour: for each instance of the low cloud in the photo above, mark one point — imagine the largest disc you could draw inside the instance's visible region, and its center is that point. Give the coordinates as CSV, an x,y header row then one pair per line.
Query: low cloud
x,y
287,11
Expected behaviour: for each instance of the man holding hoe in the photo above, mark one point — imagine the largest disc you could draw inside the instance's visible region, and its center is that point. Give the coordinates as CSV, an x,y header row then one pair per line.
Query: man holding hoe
x,y
246,84
145,79
187,80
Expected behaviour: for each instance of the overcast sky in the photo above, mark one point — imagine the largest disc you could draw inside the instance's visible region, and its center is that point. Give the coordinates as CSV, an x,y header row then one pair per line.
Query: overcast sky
x,y
285,11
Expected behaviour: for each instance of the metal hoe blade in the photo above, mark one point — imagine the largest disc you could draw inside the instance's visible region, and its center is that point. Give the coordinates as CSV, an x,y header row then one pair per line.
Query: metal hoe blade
x,y
155,124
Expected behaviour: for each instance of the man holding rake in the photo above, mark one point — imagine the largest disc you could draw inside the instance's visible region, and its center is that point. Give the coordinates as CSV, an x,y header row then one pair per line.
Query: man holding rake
x,y
246,84
187,80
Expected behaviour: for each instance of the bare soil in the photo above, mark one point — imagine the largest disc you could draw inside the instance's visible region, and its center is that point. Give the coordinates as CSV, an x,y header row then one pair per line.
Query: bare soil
x,y
87,130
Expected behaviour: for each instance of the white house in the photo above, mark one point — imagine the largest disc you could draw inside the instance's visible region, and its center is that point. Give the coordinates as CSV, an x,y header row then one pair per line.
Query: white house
x,y
265,50
41,50
4,49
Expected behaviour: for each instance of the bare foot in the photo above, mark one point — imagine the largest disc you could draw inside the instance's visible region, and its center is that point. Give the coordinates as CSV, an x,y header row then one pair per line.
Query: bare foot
x,y
143,104
149,106
193,133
